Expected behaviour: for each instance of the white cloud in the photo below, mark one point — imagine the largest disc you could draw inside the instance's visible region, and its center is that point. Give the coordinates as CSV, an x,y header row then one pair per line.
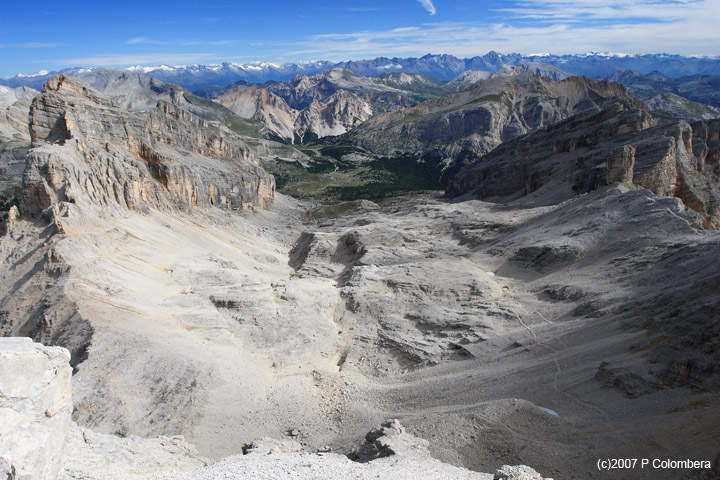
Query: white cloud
x,y
686,27
611,10
428,5
137,40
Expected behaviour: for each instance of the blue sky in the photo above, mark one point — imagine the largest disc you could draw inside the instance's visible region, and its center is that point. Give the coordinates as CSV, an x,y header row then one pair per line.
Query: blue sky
x,y
41,35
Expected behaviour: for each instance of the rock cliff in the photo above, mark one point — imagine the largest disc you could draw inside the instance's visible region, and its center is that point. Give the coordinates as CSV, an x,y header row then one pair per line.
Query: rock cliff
x,y
603,145
258,104
87,149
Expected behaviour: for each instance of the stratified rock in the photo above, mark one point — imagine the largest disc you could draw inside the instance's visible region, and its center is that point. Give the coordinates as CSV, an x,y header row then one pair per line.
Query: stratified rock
x,y
8,219
35,408
89,150
603,145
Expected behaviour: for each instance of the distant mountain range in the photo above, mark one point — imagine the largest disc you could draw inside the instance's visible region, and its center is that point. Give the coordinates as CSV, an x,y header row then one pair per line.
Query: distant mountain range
x,y
442,67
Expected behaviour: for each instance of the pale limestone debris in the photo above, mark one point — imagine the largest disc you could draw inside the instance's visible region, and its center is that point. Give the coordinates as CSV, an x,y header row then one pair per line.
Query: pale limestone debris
x,y
35,408
517,472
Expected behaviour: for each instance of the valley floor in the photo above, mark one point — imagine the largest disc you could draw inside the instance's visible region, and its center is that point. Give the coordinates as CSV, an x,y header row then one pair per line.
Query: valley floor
x,y
499,333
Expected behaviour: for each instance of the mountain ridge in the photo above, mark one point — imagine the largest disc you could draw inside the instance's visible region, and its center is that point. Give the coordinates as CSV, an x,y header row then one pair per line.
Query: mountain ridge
x,y
443,67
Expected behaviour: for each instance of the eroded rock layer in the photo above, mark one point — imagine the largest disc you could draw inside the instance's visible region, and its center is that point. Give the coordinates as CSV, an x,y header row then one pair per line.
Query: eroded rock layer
x,y
617,142
89,150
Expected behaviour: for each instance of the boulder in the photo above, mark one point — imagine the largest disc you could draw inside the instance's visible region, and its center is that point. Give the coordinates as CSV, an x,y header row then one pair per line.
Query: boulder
x,y
35,408
517,472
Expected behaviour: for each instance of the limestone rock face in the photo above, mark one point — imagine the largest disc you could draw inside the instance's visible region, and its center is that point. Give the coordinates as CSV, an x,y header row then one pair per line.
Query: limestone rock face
x,y
93,455
682,161
35,408
336,115
258,104
89,150
12,167
303,90
603,145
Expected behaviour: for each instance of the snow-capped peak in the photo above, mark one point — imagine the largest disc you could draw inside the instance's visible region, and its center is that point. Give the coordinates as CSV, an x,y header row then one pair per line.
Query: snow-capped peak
x,y
31,75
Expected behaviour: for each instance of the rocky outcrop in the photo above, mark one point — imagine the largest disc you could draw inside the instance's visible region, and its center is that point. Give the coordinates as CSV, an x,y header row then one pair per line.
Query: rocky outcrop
x,y
474,121
303,90
390,438
615,143
683,161
35,408
87,149
517,472
93,455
